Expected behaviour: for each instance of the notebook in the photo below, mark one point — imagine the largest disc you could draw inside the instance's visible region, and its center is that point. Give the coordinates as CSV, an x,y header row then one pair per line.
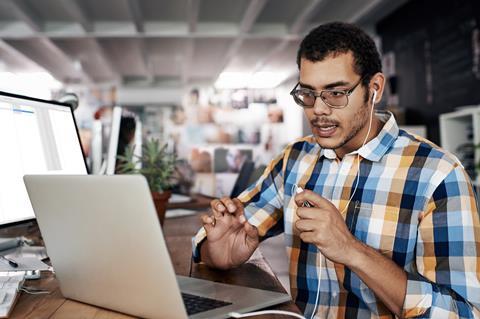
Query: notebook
x,y
9,291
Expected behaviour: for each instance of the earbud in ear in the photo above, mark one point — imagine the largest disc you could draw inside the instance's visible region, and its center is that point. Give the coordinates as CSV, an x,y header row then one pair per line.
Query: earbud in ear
x,y
374,97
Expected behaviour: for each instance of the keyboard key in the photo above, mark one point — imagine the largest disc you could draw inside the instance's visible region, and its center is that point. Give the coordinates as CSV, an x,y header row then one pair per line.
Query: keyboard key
x,y
196,304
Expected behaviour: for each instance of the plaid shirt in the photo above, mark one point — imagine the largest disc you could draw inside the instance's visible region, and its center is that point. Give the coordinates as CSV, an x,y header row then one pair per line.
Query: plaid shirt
x,y
414,204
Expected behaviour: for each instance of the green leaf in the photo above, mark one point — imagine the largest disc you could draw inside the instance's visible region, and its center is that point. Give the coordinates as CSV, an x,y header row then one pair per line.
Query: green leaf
x,y
158,165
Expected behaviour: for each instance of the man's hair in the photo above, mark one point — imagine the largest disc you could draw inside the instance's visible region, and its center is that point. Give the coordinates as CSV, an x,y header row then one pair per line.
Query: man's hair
x,y
337,38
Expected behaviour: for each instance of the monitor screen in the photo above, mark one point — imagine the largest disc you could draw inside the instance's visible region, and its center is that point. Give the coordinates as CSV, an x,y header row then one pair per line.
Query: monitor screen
x,y
36,137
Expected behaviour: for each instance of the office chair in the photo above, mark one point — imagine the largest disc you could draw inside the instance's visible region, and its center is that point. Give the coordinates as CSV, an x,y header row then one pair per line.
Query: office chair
x,y
243,178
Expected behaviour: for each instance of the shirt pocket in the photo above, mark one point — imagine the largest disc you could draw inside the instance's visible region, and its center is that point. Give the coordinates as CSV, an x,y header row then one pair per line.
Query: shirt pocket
x,y
376,226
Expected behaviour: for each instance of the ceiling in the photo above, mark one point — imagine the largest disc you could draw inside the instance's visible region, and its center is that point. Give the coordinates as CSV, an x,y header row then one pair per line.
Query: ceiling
x,y
165,42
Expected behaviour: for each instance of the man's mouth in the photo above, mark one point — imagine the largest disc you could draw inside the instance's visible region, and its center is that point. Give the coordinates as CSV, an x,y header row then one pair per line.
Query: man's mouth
x,y
326,127
325,130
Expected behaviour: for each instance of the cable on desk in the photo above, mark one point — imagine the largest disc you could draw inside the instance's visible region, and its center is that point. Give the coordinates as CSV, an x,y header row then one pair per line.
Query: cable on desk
x,y
265,312
191,268
34,291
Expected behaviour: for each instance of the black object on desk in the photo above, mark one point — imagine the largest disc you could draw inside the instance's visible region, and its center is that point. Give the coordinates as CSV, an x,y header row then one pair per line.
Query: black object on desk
x,y
10,261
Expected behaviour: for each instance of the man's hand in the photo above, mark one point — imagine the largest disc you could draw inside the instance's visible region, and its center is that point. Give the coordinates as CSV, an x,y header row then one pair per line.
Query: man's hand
x,y
231,240
323,226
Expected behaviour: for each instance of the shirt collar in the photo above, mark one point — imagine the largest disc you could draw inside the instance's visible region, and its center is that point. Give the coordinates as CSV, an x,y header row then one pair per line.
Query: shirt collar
x,y
379,145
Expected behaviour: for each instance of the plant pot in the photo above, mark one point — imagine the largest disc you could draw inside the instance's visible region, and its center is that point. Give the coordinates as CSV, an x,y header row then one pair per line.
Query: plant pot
x,y
160,200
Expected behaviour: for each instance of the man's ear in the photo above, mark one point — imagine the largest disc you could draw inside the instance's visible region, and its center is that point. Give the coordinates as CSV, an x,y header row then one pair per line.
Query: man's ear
x,y
377,86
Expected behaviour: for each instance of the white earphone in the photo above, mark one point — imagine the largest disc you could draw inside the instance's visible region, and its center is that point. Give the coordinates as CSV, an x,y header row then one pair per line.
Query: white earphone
x,y
374,97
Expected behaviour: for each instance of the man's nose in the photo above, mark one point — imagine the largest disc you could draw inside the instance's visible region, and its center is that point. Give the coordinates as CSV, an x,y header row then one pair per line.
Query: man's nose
x,y
320,108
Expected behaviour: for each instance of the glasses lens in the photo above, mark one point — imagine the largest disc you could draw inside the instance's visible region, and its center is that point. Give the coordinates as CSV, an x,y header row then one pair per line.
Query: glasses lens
x,y
335,98
304,98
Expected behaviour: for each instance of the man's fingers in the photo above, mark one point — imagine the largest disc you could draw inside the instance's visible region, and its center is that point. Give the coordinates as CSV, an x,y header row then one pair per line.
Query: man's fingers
x,y
309,213
207,219
208,223
218,208
251,230
229,204
308,237
239,212
313,198
304,225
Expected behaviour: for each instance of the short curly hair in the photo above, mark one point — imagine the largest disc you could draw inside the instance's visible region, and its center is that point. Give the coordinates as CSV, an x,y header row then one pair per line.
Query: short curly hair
x,y
338,37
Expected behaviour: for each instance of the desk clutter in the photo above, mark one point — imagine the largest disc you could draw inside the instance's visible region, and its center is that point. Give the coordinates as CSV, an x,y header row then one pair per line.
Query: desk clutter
x,y
18,262
10,285
21,257
22,264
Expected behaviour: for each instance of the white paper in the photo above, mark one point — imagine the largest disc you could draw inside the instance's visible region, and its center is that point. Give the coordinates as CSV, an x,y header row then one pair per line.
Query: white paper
x,y
178,198
171,213
24,264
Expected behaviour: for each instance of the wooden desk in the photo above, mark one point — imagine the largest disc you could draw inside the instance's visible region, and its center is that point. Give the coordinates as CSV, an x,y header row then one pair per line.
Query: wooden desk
x,y
178,231
198,202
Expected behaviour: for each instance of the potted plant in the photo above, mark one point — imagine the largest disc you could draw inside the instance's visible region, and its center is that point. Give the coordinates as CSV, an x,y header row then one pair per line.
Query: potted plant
x,y
157,165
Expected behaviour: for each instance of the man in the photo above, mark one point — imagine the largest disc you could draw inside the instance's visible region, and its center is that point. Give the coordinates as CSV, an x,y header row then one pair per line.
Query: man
x,y
393,229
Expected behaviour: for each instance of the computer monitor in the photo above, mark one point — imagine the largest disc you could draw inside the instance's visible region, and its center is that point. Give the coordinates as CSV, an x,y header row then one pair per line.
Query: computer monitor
x,y
113,140
36,137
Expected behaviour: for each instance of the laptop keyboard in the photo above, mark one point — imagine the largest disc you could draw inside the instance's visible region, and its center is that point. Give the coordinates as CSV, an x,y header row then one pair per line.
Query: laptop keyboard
x,y
196,304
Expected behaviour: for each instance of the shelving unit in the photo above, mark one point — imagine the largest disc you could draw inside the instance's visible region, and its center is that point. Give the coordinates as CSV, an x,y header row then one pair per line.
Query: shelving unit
x,y
459,133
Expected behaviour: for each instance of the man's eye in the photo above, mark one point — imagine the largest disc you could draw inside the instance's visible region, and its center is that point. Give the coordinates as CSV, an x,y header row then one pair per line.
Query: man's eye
x,y
337,93
306,92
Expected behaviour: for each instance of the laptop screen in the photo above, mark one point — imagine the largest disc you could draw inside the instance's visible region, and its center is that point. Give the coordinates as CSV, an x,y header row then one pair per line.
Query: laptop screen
x,y
36,137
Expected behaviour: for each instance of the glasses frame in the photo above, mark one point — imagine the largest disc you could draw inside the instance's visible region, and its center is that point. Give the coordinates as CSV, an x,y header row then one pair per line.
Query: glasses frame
x,y
316,94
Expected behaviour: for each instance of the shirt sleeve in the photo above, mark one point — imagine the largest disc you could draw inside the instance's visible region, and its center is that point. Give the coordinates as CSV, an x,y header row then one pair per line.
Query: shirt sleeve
x,y
263,203
446,281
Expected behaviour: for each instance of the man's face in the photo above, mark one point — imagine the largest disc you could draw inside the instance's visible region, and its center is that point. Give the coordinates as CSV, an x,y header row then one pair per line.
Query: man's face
x,y
342,130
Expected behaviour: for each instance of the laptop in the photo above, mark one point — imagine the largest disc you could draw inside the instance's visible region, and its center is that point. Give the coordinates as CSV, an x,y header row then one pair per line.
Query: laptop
x,y
106,245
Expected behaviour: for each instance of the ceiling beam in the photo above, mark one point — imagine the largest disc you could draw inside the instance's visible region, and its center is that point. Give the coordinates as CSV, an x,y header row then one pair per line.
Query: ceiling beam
x,y
123,30
296,28
364,10
56,50
301,21
249,17
106,60
11,50
193,10
146,61
251,14
60,69
188,60
26,14
138,20
137,15
78,14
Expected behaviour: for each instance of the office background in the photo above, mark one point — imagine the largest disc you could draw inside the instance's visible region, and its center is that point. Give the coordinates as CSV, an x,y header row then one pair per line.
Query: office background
x,y
211,77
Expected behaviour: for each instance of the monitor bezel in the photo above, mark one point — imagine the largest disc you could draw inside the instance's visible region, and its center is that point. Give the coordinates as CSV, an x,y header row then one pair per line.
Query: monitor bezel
x,y
34,99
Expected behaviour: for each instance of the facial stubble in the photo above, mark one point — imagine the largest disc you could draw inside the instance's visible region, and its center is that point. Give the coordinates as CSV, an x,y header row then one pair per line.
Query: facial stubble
x,y
360,119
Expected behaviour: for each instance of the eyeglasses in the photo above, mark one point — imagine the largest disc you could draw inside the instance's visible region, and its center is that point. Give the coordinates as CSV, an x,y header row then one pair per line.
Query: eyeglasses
x,y
336,99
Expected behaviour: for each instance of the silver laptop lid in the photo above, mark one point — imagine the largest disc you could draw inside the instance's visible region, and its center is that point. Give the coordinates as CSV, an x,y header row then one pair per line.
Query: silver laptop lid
x,y
100,262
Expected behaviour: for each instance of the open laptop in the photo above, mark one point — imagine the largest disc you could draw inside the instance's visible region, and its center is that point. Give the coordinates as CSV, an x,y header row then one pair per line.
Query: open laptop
x,y
107,248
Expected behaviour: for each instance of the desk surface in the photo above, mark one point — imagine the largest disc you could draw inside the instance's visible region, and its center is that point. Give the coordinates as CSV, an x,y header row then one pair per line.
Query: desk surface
x,y
198,202
178,231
